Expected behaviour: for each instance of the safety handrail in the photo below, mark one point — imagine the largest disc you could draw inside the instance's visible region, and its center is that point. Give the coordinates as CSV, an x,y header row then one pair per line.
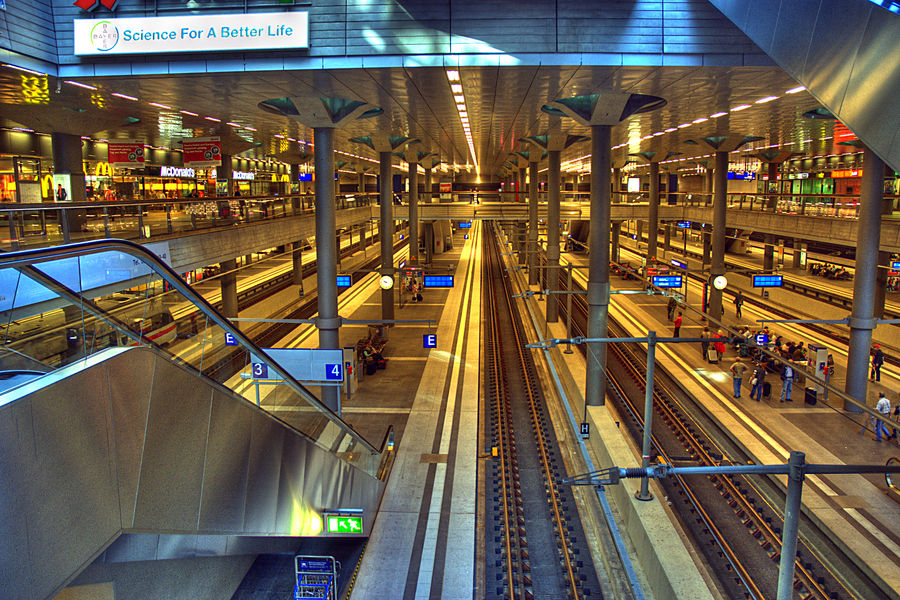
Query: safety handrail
x,y
27,258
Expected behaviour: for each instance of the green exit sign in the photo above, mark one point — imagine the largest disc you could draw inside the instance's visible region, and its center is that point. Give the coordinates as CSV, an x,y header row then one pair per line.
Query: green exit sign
x,y
343,524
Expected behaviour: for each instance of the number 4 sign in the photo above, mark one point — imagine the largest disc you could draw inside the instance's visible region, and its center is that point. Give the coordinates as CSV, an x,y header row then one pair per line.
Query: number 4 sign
x,y
333,373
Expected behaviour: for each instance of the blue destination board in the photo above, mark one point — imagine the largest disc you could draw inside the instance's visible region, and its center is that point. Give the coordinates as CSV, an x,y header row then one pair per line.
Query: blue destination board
x,y
465,225
679,264
343,281
684,224
895,265
429,340
768,280
667,281
438,281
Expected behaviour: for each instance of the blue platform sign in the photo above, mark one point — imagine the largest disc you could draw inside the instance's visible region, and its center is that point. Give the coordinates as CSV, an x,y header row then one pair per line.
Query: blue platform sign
x,y
465,225
768,280
684,224
230,340
679,264
260,370
438,281
333,373
429,340
895,265
667,281
762,339
343,281
465,237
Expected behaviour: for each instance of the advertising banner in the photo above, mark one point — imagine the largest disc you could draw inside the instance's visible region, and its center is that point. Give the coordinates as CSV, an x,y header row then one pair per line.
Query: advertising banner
x,y
201,33
126,154
202,152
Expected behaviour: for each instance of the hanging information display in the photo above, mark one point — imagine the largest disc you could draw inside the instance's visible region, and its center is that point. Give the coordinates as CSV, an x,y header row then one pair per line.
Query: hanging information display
x,y
125,154
202,152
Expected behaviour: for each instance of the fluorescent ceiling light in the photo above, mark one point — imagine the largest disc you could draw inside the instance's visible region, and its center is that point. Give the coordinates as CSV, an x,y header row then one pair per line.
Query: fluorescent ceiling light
x,y
766,99
456,88
158,105
81,85
461,107
248,128
717,115
741,107
213,119
459,98
700,120
671,129
453,75
799,88
126,97
232,124
189,113
463,113
23,69
683,125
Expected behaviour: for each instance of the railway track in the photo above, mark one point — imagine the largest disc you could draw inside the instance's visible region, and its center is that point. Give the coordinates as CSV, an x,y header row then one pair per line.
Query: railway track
x,y
535,547
735,521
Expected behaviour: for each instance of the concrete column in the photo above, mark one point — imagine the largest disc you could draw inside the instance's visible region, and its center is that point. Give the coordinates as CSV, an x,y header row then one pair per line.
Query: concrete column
x,y
884,264
598,276
667,239
428,195
707,244
616,234
229,288
67,161
616,182
862,316
709,181
521,235
363,242
297,265
386,229
773,177
520,197
224,171
429,242
361,183
798,247
717,267
640,230
552,273
769,252
413,212
533,274
328,320
653,213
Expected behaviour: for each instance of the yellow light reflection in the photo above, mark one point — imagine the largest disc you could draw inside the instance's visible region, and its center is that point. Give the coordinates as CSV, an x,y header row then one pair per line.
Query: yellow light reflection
x,y
35,90
305,521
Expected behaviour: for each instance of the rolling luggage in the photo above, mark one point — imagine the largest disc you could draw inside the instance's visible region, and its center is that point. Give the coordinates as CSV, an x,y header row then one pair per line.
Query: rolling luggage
x,y
712,355
381,363
767,389
371,367
810,396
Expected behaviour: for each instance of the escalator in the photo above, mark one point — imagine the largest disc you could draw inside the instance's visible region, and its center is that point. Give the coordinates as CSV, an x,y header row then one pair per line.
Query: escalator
x,y
123,465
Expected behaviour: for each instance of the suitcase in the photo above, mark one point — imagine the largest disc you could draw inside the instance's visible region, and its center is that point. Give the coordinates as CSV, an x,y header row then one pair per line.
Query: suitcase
x,y
767,389
712,355
810,396
371,368
381,363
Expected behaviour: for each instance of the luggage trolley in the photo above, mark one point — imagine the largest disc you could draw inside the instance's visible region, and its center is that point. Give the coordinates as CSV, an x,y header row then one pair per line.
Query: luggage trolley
x,y
316,577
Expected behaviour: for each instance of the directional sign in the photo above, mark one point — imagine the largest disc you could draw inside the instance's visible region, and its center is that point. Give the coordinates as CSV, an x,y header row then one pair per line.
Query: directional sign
x,y
346,524
429,340
343,281
762,339
438,281
585,430
768,280
684,224
333,372
667,281
230,340
895,265
260,370
679,264
465,237
652,271
465,225
303,364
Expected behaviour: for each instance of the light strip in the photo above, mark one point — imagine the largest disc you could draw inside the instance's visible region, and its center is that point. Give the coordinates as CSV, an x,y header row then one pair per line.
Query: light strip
x,y
158,105
81,85
23,69
189,113
124,96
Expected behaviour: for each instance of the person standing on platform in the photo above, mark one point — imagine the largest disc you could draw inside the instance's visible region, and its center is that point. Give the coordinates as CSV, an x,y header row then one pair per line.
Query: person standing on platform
x,y
738,302
677,324
738,368
61,194
671,306
787,381
883,406
758,381
704,345
877,361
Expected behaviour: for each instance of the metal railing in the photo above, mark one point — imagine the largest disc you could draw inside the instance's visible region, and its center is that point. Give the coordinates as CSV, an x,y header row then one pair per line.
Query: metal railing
x,y
59,305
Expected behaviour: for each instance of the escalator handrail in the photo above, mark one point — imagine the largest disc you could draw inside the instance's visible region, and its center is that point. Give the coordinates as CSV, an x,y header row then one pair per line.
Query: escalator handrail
x,y
23,258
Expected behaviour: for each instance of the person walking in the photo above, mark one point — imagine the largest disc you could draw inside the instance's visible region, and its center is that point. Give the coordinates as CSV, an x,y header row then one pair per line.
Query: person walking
x,y
677,324
671,305
738,303
704,345
738,368
883,406
787,382
758,381
877,361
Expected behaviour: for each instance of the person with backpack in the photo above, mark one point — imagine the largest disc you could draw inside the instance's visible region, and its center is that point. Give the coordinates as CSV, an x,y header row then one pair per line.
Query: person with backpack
x,y
883,406
738,303
738,368
677,325
758,381
704,345
877,361
671,305
787,381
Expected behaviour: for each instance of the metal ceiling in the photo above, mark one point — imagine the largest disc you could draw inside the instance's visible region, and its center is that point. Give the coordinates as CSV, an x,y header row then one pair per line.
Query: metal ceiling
x,y
503,103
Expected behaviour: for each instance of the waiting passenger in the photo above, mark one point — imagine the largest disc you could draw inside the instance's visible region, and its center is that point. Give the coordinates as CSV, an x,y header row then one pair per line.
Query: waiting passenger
x,y
787,381
738,368
877,362
758,381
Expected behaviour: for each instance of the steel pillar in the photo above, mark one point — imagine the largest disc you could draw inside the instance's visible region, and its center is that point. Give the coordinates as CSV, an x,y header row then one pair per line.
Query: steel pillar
x,y
792,507
720,206
532,248
361,183
67,160
653,213
297,264
229,288
798,249
616,234
667,239
413,213
428,196
520,197
328,320
862,316
598,276
552,273
386,231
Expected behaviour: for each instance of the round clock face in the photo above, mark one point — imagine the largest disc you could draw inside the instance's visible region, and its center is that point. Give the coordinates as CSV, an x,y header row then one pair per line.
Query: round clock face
x,y
719,282
387,282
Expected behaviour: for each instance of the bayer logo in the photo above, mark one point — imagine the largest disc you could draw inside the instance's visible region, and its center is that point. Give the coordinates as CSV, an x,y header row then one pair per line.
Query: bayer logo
x,y
104,36
207,155
132,156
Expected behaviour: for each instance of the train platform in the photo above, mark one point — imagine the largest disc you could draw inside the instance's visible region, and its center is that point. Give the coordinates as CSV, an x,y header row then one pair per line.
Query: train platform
x,y
858,510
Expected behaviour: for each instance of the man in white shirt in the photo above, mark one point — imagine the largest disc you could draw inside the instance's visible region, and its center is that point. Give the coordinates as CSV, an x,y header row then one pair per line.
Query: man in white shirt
x,y
883,406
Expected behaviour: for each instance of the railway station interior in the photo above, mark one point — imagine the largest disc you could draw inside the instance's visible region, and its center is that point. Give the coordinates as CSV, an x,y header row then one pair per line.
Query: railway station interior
x,y
377,299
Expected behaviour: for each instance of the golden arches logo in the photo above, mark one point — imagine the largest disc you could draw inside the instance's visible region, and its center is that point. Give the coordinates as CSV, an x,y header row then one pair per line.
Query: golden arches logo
x,y
47,186
102,169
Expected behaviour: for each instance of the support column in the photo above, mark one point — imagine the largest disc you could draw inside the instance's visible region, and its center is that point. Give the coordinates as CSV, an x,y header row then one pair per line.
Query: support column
x,y
667,240
297,265
328,320
717,267
225,171
773,177
386,230
229,288
552,273
67,161
616,234
598,276
520,241
706,240
361,183
429,242
769,252
532,248
884,265
653,213
413,213
616,182
862,316
798,249
520,197
428,196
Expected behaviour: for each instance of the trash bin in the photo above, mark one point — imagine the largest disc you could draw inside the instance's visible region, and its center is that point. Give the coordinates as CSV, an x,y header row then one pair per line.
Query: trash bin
x,y
810,396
